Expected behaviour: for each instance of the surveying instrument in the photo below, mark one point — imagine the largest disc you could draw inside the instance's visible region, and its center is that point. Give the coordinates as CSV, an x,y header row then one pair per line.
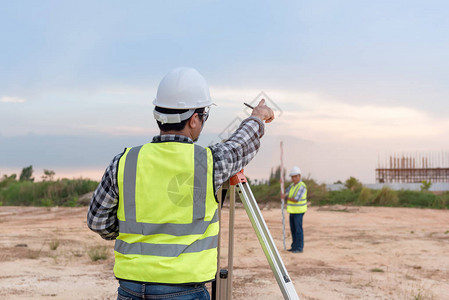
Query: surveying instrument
x,y
222,287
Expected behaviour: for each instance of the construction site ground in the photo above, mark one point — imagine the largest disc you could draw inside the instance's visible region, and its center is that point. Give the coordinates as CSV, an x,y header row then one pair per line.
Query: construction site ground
x,y
350,253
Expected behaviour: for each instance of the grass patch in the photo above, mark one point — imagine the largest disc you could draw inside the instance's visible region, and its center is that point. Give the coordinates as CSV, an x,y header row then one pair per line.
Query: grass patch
x,y
98,253
54,244
377,270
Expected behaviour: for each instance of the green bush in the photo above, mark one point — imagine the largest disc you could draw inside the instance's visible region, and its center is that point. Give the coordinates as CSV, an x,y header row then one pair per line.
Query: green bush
x,y
353,184
439,202
316,193
345,196
47,202
23,192
425,185
64,192
386,197
445,199
418,199
7,180
366,196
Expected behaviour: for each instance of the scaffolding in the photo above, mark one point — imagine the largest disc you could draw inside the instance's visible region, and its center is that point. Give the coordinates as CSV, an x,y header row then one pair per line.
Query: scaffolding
x,y
413,167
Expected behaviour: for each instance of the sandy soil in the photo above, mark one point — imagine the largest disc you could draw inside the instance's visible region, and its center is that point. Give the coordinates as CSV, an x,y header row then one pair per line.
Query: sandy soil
x,y
350,253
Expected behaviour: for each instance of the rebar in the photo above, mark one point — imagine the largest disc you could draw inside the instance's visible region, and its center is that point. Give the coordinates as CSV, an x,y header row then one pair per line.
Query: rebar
x,y
413,168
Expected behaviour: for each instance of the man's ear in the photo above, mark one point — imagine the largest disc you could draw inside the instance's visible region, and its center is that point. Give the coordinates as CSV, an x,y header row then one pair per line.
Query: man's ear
x,y
191,122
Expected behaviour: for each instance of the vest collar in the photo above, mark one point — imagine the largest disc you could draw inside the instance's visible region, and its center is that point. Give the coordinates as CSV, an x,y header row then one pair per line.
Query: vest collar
x,y
297,183
171,138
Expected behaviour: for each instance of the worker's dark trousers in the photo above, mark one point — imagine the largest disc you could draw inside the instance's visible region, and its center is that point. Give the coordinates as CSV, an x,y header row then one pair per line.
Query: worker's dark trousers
x,y
297,231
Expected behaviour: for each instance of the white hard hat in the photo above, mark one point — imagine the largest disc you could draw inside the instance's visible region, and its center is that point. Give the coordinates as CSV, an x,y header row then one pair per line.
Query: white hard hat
x,y
295,171
183,88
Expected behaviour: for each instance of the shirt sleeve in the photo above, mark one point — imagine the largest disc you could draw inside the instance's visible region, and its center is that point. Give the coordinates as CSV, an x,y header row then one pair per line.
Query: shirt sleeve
x,y
102,213
236,152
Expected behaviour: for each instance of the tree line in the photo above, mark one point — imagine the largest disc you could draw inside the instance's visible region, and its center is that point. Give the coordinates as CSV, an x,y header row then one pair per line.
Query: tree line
x,y
48,192
67,192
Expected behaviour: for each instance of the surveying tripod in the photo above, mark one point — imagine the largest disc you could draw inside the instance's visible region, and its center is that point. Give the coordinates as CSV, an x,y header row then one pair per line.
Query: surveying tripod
x,y
222,287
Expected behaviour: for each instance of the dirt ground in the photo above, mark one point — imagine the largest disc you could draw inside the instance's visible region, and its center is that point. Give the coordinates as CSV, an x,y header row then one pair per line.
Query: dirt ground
x,y
350,253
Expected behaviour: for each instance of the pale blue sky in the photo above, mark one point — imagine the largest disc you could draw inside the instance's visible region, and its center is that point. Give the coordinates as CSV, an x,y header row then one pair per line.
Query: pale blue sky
x,y
354,79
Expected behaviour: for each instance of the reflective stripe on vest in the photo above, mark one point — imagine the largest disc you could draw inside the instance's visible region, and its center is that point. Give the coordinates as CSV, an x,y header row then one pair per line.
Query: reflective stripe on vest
x,y
168,215
300,206
167,250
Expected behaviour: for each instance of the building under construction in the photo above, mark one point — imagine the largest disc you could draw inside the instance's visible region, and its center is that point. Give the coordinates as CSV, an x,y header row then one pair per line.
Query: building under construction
x,y
413,168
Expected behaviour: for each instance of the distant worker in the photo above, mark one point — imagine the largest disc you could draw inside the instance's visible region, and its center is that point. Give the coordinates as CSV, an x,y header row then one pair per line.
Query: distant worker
x,y
158,200
296,195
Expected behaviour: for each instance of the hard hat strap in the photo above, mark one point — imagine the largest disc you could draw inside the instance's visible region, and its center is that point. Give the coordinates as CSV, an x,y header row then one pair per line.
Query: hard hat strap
x,y
172,118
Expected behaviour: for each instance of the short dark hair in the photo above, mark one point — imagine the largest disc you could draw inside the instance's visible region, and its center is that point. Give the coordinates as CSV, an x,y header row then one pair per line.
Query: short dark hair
x,y
174,126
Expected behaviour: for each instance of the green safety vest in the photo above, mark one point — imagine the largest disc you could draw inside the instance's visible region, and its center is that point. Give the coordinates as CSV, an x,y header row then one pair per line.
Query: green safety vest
x,y
300,206
168,214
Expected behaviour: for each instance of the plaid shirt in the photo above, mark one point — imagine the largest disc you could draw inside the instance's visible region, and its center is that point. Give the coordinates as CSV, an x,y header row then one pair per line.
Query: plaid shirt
x,y
229,158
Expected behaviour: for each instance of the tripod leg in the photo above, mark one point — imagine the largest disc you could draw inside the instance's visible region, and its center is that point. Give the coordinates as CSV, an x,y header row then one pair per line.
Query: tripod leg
x,y
216,284
231,240
222,289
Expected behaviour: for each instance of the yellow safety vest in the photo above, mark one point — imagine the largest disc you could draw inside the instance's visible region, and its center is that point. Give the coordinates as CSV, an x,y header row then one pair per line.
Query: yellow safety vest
x,y
168,214
300,206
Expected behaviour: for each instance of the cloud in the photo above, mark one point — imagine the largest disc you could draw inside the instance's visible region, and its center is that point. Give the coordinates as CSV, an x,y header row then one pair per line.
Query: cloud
x,y
319,117
12,99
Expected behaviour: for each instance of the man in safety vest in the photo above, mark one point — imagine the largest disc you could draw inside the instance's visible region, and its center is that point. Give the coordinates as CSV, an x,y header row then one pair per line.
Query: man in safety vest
x,y
296,195
158,200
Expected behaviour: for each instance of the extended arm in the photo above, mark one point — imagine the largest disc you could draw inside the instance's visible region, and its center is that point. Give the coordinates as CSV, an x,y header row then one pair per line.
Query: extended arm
x,y
236,152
